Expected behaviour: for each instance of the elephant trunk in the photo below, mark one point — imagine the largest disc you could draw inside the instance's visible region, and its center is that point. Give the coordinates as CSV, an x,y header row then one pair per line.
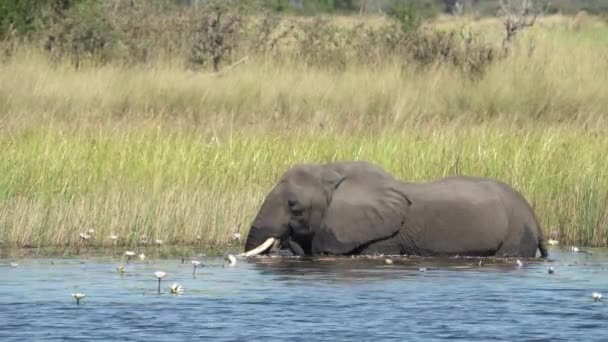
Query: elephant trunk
x,y
254,239
272,220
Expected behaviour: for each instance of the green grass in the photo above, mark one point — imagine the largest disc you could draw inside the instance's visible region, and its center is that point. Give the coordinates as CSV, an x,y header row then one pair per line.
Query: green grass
x,y
161,152
176,187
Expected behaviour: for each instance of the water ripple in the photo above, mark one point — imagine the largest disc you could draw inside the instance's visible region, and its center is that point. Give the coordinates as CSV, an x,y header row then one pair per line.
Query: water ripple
x,y
338,299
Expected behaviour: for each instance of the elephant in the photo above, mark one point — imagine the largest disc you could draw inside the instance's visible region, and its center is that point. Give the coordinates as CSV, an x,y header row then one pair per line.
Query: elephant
x,y
357,208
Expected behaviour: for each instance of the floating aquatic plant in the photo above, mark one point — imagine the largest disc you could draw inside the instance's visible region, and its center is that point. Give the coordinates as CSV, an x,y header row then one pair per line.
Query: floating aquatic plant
x,y
176,288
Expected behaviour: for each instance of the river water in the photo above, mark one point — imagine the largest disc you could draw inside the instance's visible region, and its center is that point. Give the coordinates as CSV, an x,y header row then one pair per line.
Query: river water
x,y
291,299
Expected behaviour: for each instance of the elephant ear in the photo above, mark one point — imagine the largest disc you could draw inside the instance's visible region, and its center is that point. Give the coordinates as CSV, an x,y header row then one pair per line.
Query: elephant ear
x,y
361,211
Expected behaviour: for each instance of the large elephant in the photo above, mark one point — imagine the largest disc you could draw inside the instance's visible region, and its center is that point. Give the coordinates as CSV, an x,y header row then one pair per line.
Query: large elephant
x,y
347,208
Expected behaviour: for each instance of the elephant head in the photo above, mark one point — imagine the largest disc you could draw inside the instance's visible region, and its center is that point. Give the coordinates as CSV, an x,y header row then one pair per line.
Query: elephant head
x,y
328,209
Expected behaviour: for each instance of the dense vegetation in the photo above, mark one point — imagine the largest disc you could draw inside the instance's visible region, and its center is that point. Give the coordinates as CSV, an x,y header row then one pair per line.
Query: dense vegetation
x,y
166,122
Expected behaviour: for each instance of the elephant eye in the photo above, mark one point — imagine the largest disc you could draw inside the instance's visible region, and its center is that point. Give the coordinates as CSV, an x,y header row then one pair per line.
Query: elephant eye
x,y
295,208
297,212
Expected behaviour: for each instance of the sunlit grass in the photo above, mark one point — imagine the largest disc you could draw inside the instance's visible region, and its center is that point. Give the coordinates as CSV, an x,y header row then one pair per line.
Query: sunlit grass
x,y
157,152
179,187
553,76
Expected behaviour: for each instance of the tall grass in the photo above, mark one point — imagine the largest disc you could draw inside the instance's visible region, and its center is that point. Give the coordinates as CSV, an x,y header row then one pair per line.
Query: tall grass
x,y
160,152
176,187
556,84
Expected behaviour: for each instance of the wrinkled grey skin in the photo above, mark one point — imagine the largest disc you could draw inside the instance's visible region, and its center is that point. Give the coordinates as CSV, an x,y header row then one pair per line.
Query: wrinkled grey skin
x,y
350,208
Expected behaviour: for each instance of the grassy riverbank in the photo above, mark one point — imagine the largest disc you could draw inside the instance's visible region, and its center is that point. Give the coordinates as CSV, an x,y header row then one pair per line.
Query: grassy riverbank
x,y
158,151
177,187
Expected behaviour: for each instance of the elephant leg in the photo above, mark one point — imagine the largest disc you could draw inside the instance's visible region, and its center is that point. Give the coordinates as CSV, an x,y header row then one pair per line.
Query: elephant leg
x,y
295,247
521,242
390,246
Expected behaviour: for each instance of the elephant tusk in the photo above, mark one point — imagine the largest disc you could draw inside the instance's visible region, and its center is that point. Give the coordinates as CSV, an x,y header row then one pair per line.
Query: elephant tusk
x,y
261,248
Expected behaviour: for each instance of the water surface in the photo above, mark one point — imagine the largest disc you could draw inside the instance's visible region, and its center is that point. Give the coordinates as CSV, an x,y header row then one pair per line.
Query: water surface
x,y
291,299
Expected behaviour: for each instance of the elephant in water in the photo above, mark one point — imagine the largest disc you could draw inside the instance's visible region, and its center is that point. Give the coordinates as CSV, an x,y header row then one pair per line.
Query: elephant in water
x,y
347,208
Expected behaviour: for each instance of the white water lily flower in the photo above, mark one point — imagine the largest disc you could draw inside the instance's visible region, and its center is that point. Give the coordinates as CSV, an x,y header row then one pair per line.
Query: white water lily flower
x,y
574,249
596,296
78,297
195,265
176,288
129,254
142,256
160,275
231,259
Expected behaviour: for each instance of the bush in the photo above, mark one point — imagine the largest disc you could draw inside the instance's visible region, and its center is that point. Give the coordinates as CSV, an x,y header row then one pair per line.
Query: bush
x,y
406,15
21,16
469,53
215,36
87,33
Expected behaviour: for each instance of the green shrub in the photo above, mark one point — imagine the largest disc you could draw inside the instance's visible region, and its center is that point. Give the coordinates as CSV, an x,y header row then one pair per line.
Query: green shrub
x,y
21,16
88,33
